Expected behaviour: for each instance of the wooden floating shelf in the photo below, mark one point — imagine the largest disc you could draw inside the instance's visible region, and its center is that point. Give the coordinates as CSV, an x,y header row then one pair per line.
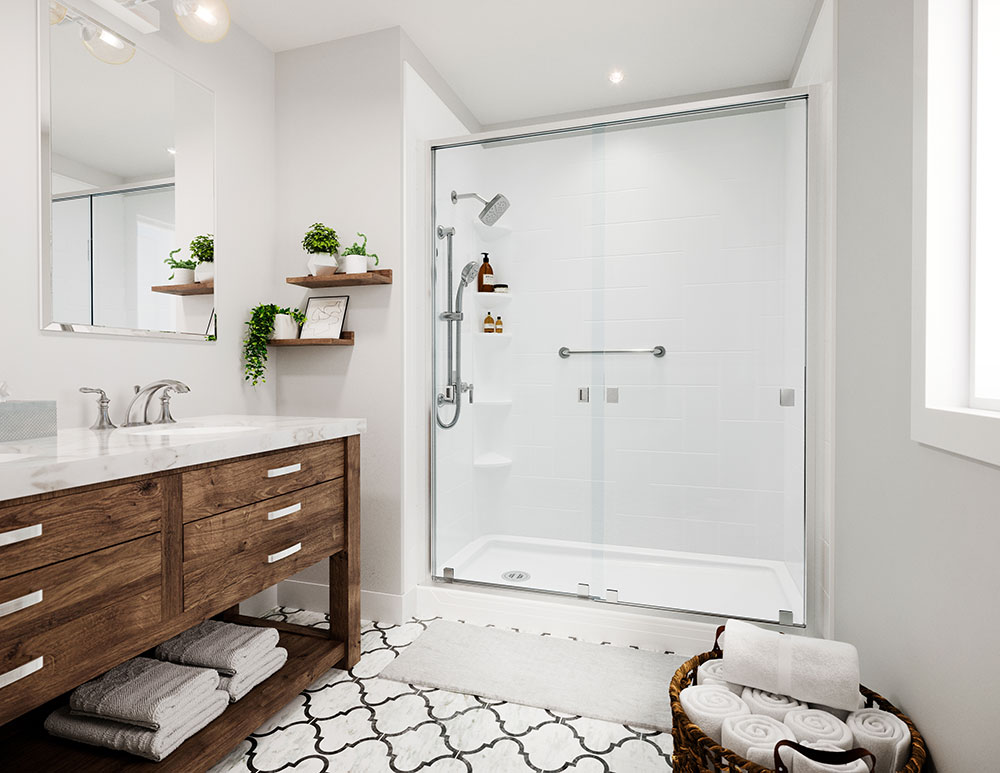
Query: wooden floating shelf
x,y
347,339
377,277
195,288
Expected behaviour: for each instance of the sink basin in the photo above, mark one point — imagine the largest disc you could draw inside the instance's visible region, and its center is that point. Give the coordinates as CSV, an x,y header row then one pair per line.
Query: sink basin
x,y
182,431
11,456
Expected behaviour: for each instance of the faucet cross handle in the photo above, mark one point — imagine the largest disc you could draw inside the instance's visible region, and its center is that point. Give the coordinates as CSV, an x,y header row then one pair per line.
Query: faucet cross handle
x,y
103,419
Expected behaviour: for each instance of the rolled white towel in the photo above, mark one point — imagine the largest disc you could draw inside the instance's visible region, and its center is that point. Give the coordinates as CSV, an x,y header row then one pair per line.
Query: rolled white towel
x,y
883,734
840,714
811,670
798,763
814,726
753,737
769,704
710,672
709,705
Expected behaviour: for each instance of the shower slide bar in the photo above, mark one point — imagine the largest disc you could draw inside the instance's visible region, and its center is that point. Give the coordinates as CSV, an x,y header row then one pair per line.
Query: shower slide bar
x,y
656,351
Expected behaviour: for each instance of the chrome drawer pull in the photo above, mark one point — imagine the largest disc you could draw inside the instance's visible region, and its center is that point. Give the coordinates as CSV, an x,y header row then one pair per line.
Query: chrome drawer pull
x,y
276,514
284,553
21,671
277,472
20,535
9,607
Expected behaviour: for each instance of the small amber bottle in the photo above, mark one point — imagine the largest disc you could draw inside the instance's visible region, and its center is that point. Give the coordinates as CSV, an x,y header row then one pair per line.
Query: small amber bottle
x,y
499,325
489,325
486,278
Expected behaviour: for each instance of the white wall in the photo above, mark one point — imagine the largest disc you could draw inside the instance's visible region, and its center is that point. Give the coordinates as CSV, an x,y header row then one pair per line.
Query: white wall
x,y
916,528
52,365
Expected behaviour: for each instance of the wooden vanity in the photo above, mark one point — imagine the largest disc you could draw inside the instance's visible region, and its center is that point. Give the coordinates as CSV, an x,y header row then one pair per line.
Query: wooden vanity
x,y
95,575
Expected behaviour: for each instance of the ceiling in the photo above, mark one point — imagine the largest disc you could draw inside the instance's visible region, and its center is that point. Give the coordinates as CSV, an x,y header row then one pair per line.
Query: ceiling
x,y
519,59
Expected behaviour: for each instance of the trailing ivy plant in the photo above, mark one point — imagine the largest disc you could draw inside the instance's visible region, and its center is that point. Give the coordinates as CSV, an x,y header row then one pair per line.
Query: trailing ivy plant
x,y
360,249
174,263
259,328
320,240
203,248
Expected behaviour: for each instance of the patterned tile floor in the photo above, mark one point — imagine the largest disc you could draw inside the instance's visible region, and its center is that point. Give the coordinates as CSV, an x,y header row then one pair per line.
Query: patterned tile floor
x,y
354,721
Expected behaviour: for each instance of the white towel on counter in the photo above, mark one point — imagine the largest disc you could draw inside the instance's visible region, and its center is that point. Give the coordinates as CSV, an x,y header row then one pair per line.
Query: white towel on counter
x,y
226,647
711,672
754,736
152,744
883,734
797,763
810,670
709,705
769,704
814,726
249,677
143,692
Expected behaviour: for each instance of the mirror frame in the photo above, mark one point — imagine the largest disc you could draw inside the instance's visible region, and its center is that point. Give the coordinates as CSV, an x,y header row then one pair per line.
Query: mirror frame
x,y
46,321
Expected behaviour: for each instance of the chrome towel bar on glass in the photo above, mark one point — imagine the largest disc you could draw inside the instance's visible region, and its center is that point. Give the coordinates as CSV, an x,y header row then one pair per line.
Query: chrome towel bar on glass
x,y
656,351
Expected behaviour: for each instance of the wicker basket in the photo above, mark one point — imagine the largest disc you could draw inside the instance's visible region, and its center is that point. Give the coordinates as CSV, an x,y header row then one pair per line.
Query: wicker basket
x,y
695,752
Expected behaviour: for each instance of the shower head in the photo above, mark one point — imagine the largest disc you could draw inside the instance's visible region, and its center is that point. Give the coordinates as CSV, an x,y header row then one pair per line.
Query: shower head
x,y
493,209
469,273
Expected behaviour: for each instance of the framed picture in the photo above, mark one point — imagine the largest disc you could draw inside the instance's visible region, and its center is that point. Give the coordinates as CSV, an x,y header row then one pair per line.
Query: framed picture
x,y
325,317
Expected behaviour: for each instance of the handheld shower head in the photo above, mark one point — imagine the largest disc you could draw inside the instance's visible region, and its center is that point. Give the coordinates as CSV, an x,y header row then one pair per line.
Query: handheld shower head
x,y
493,209
469,273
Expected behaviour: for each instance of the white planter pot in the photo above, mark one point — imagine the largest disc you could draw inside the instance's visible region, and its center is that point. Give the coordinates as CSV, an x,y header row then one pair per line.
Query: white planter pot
x,y
182,276
285,327
204,272
322,264
354,264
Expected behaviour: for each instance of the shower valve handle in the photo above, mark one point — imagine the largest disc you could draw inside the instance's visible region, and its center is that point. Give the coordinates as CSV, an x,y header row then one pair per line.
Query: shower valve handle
x,y
468,388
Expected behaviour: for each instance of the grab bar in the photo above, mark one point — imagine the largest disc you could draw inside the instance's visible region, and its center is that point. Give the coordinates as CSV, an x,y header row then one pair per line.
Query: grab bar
x,y
656,351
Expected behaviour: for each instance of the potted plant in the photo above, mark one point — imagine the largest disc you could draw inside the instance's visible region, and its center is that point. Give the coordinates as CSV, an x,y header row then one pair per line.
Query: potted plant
x,y
321,243
183,270
267,321
356,259
203,252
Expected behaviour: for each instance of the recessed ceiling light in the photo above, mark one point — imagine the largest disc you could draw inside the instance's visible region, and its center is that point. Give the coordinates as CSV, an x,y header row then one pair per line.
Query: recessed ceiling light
x,y
616,77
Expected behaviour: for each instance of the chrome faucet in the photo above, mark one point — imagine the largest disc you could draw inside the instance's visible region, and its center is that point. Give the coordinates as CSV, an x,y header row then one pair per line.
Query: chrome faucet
x,y
147,392
103,420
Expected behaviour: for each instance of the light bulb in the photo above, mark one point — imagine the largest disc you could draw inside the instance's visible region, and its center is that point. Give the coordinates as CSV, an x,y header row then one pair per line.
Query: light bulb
x,y
106,45
111,40
57,12
616,77
206,21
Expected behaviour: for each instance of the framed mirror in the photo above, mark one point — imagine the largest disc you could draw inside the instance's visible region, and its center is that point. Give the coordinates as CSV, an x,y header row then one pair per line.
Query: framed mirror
x,y
128,183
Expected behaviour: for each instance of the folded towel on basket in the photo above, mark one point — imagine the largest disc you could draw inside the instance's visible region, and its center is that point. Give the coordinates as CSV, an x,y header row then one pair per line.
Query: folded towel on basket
x,y
840,714
253,674
151,744
814,726
769,704
810,670
711,672
883,734
226,647
798,763
754,736
709,705
144,692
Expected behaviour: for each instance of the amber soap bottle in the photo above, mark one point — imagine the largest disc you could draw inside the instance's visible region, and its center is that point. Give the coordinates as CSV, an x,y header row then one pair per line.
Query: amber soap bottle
x,y
489,324
485,283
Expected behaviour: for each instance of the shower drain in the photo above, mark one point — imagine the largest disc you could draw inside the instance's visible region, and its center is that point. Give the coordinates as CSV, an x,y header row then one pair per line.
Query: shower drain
x,y
516,576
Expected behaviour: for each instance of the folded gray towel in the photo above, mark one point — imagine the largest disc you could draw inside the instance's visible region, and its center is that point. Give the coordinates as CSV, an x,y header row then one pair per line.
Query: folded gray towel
x,y
247,678
151,744
226,647
144,692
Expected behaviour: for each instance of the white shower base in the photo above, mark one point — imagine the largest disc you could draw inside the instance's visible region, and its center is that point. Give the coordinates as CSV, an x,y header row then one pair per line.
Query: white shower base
x,y
695,582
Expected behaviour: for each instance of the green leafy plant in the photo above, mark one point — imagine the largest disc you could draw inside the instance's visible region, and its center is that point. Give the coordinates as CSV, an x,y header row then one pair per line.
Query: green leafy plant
x,y
360,249
259,328
203,248
174,263
320,240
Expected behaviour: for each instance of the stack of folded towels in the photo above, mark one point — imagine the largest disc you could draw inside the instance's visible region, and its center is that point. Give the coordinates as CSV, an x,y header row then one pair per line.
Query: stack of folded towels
x,y
150,707
770,687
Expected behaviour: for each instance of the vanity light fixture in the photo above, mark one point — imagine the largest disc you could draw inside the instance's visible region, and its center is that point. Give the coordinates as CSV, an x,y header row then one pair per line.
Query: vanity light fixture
x,y
207,21
57,12
140,15
104,44
616,77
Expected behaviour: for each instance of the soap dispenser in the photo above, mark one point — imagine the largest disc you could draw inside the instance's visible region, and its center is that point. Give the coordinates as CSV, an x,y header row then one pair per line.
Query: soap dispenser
x,y
486,278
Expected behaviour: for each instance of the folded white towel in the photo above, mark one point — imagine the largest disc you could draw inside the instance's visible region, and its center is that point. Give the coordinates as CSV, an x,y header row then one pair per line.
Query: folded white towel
x,y
769,704
246,679
753,737
883,734
815,726
708,705
151,744
811,670
840,714
710,672
798,763
144,692
226,647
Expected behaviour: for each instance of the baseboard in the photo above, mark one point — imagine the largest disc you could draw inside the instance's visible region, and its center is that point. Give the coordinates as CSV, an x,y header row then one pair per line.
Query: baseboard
x,y
383,607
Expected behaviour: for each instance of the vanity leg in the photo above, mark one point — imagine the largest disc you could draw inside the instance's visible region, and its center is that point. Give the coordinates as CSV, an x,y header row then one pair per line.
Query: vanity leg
x,y
345,566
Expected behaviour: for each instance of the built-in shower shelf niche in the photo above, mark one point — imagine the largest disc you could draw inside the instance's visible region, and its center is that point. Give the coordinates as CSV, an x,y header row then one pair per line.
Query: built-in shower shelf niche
x,y
376,277
194,288
494,300
492,461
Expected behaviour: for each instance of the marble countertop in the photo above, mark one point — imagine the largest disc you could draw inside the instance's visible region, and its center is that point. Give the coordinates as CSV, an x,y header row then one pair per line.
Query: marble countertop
x,y
80,457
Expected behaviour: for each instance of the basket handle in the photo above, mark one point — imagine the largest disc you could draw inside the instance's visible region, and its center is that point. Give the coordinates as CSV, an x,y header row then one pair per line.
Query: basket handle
x,y
718,632
818,755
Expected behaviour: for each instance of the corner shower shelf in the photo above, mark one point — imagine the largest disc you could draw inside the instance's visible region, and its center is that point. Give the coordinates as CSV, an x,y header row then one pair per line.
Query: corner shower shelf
x,y
195,288
492,336
494,300
346,339
492,461
377,277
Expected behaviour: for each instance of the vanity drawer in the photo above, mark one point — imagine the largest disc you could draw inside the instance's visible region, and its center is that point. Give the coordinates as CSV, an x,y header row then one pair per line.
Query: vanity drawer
x,y
41,666
51,530
35,601
212,490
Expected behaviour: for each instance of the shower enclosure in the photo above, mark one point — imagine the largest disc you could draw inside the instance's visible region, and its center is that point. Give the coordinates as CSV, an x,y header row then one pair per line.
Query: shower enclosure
x,y
637,432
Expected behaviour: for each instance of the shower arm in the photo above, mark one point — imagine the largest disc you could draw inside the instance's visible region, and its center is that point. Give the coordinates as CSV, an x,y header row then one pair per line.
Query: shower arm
x,y
456,196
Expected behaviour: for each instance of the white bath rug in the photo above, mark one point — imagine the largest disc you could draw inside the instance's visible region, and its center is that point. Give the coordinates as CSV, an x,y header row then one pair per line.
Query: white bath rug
x,y
617,684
